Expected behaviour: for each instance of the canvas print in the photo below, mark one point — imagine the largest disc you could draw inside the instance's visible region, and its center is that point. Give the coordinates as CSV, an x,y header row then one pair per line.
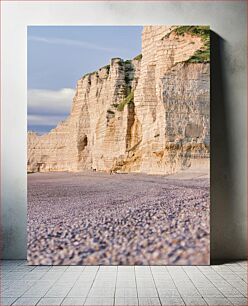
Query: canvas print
x,y
118,145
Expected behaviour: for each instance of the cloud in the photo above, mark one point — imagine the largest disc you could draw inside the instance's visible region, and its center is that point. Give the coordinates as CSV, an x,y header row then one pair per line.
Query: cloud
x,y
48,107
70,42
44,120
51,102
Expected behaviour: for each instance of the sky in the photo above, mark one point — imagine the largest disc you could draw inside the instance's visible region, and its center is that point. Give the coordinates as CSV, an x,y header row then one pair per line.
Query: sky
x,y
60,55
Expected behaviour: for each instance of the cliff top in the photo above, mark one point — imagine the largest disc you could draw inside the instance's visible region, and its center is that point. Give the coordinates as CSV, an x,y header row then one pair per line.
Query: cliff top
x,y
114,60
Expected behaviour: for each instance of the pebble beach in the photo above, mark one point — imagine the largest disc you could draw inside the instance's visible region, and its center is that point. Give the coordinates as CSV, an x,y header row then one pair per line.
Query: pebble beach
x,y
93,218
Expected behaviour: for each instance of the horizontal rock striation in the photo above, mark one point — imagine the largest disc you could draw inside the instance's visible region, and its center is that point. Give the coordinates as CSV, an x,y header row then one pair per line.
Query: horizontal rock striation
x,y
149,114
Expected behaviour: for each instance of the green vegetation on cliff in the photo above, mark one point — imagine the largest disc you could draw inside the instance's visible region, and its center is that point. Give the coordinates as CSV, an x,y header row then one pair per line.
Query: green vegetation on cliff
x,y
138,57
128,62
125,101
201,31
202,55
107,67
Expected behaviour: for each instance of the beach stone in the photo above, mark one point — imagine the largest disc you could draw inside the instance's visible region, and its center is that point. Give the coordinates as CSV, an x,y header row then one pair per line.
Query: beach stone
x,y
92,231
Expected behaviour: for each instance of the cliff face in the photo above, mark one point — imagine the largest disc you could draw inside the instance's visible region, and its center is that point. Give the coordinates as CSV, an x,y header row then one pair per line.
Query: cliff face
x,y
145,115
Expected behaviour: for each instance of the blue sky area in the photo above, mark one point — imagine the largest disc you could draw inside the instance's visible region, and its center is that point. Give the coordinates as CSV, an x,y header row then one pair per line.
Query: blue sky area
x,y
60,55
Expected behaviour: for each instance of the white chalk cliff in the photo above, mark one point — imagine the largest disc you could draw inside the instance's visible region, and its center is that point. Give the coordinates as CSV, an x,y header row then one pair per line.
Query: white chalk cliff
x,y
149,114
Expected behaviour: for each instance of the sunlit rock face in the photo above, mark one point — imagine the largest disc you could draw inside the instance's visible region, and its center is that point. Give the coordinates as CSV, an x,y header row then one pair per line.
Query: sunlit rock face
x,y
149,114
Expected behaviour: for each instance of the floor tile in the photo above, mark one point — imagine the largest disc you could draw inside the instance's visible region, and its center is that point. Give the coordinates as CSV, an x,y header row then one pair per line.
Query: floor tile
x,y
38,290
27,301
194,301
34,275
218,285
50,301
166,301
142,269
238,301
58,291
165,292
164,284
104,283
143,282
73,301
102,274
79,291
230,292
51,276
122,301
211,293
108,269
99,301
41,268
75,269
126,283
13,292
162,276
8,300
217,301
126,292
91,268
83,280
189,292
58,268
147,292
125,269
149,301
102,292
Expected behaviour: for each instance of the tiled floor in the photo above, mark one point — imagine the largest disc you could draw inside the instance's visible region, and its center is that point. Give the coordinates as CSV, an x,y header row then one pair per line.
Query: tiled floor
x,y
122,285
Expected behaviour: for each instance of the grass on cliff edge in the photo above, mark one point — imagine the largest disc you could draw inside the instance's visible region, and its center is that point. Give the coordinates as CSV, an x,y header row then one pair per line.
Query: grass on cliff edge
x,y
125,101
202,31
107,67
138,57
202,55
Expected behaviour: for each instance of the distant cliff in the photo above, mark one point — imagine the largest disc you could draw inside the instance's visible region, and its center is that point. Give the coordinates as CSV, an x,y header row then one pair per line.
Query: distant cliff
x,y
149,114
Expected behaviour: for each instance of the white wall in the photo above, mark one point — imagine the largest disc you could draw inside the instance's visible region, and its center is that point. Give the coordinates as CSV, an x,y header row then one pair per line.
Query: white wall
x,y
228,104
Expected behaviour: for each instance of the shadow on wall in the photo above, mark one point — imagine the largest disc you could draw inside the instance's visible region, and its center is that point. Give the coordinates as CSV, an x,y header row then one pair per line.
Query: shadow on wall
x,y
225,231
